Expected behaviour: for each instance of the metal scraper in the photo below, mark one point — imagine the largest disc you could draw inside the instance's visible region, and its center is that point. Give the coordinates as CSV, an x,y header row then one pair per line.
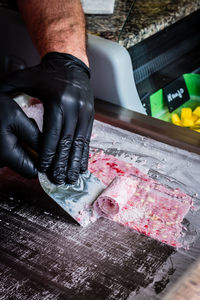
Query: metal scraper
x,y
76,199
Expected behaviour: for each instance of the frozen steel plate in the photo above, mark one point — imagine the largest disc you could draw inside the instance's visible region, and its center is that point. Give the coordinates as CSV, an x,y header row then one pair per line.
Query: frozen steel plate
x,y
43,254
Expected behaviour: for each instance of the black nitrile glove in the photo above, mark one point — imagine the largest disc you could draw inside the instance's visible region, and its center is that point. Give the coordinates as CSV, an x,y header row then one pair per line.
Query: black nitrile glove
x,y
16,131
62,83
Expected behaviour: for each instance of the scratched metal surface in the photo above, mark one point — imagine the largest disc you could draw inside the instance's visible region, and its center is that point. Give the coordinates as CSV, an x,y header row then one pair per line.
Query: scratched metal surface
x,y
44,254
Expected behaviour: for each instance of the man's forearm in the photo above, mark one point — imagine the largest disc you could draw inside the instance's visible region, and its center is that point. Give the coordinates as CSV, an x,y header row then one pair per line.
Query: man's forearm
x,y
56,26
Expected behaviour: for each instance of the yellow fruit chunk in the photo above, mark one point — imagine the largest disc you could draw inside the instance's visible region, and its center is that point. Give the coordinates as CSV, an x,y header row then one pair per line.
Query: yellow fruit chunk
x,y
187,122
196,112
177,123
186,113
194,118
197,122
176,120
198,130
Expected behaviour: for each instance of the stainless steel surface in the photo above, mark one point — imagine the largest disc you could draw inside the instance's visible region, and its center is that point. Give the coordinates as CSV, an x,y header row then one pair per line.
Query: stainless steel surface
x,y
44,255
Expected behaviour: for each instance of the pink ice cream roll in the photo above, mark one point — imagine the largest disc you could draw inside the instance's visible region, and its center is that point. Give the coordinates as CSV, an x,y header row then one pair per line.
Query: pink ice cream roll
x,y
115,196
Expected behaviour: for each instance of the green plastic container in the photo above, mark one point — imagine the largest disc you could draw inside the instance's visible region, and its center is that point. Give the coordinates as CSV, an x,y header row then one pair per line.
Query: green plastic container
x,y
160,110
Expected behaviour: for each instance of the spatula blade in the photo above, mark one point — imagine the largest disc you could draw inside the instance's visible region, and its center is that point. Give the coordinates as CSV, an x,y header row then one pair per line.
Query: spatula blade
x,y
76,199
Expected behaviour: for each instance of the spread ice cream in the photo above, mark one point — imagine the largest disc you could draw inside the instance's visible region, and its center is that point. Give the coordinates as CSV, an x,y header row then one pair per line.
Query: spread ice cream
x,y
138,201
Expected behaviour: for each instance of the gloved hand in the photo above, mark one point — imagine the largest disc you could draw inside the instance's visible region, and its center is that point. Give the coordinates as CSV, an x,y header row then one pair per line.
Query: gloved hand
x,y
17,130
62,83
